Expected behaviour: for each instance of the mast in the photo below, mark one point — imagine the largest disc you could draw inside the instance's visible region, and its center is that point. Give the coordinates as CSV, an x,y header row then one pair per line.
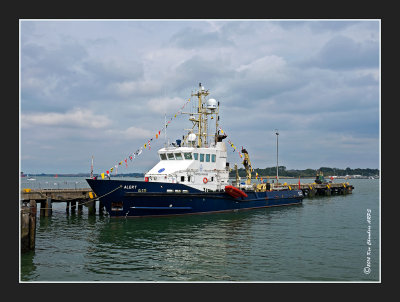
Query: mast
x,y
199,140
202,117
277,134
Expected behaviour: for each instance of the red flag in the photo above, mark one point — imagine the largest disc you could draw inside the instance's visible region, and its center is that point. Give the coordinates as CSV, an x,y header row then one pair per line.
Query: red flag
x,y
126,163
108,172
299,182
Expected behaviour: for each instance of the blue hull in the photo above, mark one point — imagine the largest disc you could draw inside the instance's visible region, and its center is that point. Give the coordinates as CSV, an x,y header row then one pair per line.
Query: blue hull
x,y
126,198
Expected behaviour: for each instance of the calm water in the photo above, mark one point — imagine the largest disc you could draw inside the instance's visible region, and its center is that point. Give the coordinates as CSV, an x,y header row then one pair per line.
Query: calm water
x,y
324,239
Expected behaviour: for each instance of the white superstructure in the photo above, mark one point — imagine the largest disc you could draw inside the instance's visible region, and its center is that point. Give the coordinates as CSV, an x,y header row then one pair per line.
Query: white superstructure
x,y
196,162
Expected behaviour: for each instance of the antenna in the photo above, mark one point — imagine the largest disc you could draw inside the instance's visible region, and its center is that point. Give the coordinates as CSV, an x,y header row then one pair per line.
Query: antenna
x,y
277,134
165,132
91,169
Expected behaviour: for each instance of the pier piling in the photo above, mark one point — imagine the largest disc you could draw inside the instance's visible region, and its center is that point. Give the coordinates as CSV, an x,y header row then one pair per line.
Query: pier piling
x,y
312,192
73,207
80,207
32,224
28,226
92,207
25,246
48,207
68,207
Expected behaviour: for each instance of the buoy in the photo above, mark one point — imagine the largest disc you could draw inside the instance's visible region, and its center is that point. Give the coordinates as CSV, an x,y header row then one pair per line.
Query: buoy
x,y
205,180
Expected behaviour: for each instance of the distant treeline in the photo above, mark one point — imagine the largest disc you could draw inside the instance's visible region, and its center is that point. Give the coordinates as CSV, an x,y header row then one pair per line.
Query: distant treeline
x,y
271,171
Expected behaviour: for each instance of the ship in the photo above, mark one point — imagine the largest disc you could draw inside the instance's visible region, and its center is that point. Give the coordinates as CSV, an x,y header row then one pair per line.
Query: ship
x,y
191,176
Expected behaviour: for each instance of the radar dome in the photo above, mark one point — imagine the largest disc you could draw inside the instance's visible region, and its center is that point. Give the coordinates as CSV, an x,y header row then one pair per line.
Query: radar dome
x,y
212,104
192,137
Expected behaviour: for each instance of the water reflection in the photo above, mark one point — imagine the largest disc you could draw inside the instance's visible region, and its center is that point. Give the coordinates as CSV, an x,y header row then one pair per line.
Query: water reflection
x,y
189,247
28,267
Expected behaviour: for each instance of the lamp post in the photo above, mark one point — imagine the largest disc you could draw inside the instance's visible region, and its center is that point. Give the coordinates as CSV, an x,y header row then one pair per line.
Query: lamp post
x,y
277,167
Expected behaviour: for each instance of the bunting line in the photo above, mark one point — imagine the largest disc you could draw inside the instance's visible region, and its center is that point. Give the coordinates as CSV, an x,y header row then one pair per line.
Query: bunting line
x,y
146,145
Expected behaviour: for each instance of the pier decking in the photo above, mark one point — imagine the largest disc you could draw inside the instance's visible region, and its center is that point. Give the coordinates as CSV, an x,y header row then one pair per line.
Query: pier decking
x,y
74,198
314,189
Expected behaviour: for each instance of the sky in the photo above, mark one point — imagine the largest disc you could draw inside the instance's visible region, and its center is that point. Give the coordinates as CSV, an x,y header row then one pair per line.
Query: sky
x,y
102,88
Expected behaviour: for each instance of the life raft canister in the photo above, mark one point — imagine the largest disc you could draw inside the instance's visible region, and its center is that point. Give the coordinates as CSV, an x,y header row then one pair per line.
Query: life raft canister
x,y
205,180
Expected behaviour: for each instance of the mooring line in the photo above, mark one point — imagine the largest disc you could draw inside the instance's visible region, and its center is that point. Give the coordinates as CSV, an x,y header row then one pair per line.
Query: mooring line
x,y
83,203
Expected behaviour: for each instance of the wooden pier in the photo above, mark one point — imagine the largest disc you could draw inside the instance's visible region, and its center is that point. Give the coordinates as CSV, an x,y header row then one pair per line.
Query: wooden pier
x,y
74,199
313,189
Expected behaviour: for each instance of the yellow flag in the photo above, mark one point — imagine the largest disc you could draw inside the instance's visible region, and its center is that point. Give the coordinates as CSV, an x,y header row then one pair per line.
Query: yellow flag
x,y
145,146
102,175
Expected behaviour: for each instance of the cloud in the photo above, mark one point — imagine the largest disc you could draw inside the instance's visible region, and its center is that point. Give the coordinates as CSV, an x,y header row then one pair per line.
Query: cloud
x,y
165,105
76,118
105,86
191,38
342,52
130,133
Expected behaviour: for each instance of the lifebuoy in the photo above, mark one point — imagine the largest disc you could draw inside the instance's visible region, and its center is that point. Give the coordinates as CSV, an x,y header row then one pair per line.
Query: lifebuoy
x,y
205,180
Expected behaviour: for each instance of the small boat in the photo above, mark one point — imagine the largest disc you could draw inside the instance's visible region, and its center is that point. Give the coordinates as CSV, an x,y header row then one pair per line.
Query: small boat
x,y
191,177
235,192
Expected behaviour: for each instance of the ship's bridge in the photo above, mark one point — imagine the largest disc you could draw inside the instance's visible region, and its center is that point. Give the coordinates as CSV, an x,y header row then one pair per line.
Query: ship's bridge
x,y
190,165
183,159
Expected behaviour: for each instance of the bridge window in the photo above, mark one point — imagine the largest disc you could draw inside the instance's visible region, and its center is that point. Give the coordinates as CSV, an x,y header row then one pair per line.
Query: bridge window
x,y
188,155
163,156
182,178
171,156
178,156
201,157
196,156
208,158
213,158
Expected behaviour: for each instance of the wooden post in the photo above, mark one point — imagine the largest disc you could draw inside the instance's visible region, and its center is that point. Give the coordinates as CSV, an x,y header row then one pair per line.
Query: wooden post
x,y
328,192
73,207
32,224
68,207
92,207
42,207
48,207
25,246
312,192
80,207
